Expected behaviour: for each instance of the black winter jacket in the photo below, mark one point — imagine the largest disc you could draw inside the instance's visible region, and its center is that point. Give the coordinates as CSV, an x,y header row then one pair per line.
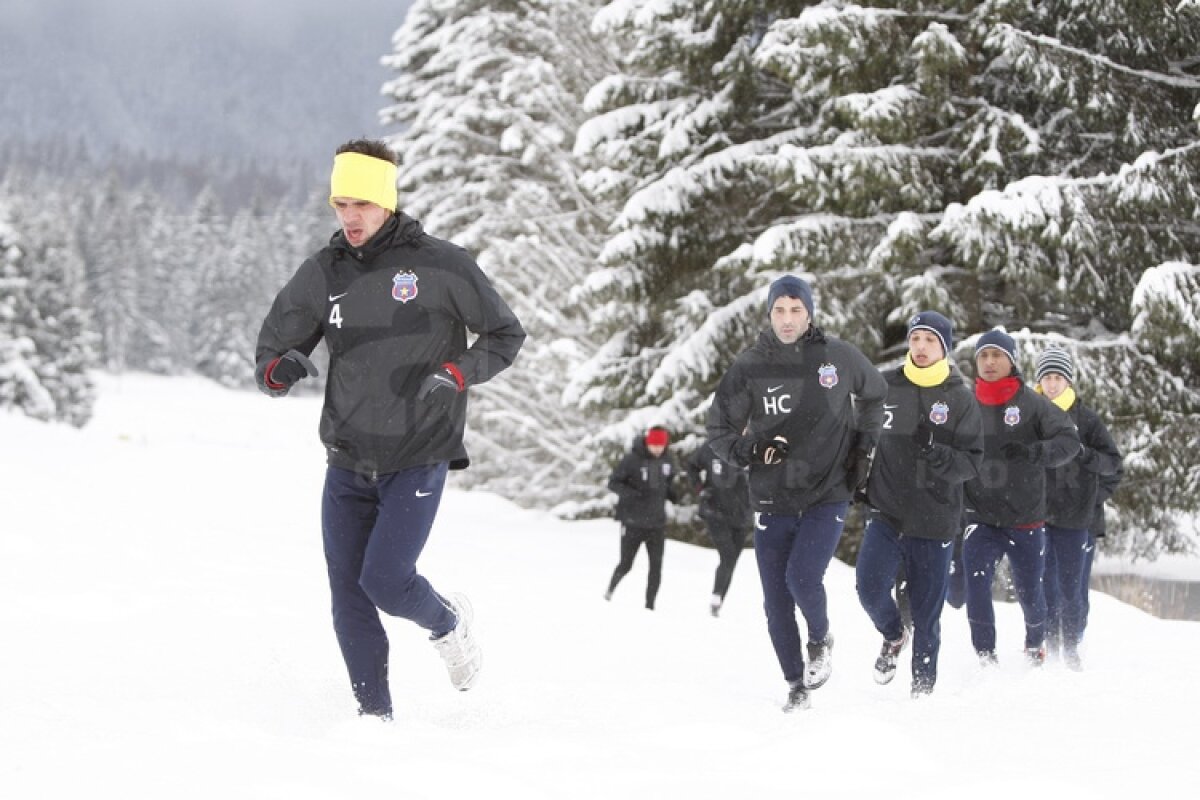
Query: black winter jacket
x,y
391,313
922,496
724,489
821,394
1076,491
643,483
1012,493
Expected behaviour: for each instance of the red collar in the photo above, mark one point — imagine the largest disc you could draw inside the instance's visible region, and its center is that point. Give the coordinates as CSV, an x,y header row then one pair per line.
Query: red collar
x,y
994,393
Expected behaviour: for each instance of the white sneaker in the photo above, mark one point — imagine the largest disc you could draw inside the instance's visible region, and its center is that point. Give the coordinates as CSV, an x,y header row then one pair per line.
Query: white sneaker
x,y
820,663
458,648
714,605
889,656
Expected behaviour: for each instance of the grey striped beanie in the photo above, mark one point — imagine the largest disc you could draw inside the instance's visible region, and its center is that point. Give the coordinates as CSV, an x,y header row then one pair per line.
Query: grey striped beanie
x,y
1055,360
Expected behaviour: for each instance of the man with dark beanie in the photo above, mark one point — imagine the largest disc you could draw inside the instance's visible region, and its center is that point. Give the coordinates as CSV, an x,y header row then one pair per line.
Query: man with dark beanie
x,y
1023,435
803,411
394,306
1075,495
643,481
930,444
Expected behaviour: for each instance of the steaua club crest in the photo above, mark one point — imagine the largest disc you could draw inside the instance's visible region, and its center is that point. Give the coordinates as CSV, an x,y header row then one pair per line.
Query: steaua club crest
x,y
404,286
1012,416
827,375
939,413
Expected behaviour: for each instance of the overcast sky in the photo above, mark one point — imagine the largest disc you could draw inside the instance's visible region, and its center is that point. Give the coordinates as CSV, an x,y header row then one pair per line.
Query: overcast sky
x,y
209,77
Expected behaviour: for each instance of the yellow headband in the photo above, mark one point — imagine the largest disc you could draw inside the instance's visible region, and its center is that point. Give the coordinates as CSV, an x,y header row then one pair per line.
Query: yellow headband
x,y
363,178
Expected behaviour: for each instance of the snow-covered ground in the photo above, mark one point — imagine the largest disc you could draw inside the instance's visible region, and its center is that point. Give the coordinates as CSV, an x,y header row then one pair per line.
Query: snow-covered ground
x,y
166,634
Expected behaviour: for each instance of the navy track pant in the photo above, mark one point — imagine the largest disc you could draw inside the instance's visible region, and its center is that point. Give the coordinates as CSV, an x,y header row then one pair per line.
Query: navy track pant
x,y
1089,557
374,531
926,564
1066,558
729,541
631,539
793,553
983,547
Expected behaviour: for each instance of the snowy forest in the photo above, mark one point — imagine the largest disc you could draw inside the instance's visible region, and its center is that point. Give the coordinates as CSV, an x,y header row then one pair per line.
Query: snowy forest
x,y
633,174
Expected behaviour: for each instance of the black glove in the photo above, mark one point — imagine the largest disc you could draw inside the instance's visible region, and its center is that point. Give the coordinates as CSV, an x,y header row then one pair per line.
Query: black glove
x,y
770,451
1086,455
858,467
923,438
1019,451
937,455
439,388
282,373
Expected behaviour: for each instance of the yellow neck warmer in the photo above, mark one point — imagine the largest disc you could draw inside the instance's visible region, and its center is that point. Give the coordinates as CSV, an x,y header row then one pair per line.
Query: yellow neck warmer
x,y
1064,400
933,375
363,178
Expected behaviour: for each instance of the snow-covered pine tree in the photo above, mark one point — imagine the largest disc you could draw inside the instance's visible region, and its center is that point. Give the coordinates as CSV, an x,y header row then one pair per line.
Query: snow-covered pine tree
x,y
231,305
46,345
113,271
745,142
1091,209
488,97
63,334
20,388
1002,162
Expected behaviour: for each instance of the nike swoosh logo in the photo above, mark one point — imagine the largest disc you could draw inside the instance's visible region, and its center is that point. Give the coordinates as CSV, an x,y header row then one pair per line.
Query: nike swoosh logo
x,y
946,544
423,494
771,389
839,519
333,297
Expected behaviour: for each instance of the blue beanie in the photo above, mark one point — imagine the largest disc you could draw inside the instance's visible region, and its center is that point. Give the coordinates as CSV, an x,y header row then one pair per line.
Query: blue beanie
x,y
999,340
936,324
790,286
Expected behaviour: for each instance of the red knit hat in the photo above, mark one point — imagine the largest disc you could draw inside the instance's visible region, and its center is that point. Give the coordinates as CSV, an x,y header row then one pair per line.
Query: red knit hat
x,y
658,436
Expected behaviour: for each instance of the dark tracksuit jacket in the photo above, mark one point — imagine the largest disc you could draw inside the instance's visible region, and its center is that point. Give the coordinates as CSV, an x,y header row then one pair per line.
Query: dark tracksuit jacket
x,y
1012,494
643,483
724,489
1076,490
391,313
923,497
803,392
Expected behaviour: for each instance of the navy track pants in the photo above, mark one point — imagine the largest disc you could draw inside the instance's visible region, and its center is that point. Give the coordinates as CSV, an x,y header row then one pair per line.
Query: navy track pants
x,y
374,531
631,539
1066,558
983,547
793,553
926,565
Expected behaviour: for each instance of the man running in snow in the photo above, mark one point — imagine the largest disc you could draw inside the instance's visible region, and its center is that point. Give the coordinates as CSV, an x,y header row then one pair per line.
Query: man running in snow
x,y
1023,435
803,411
724,492
931,443
394,306
643,481
1075,495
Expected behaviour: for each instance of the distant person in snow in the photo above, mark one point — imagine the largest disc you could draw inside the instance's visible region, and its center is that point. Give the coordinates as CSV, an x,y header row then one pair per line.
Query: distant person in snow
x,y
931,443
724,492
643,481
1023,436
1075,495
394,306
802,410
